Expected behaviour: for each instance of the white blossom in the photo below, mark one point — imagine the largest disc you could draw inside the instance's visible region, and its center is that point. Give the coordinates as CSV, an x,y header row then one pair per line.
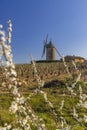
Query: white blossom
x,y
1,26
14,107
15,90
85,119
62,104
75,115
13,72
3,39
2,33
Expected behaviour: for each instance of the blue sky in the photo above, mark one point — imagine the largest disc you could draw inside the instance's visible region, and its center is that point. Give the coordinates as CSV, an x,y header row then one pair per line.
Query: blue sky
x,y
65,21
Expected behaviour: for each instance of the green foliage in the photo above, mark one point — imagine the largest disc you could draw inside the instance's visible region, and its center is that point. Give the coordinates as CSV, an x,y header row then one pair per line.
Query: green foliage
x,y
77,127
50,123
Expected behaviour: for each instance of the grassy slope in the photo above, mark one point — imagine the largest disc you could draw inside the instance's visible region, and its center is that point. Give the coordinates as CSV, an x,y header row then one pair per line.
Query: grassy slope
x,y
43,109
55,95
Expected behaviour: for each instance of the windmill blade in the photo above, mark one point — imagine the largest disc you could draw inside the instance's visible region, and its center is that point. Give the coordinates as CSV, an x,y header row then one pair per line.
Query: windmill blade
x,y
58,52
43,51
45,43
46,39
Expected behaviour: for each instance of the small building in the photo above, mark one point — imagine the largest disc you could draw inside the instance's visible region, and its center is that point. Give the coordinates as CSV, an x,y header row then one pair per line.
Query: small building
x,y
76,59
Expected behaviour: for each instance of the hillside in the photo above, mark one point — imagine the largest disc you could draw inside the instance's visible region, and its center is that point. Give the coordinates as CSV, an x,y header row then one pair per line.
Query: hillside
x,y
55,103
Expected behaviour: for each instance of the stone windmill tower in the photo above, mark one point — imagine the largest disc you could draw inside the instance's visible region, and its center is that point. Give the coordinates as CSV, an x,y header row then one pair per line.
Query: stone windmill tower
x,y
49,49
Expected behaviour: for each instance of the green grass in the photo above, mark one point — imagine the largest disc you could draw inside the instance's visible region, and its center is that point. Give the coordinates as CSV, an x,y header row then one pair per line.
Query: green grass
x,y
5,116
42,109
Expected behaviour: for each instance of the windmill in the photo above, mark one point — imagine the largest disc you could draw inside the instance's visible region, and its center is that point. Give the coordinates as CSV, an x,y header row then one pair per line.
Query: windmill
x,y
50,50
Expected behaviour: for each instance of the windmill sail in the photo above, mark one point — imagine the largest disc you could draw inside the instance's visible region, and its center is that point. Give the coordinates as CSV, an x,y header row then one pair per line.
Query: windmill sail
x,y
58,52
46,39
43,51
44,48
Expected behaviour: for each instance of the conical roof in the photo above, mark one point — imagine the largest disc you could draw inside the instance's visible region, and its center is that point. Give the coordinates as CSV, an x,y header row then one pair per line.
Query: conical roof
x,y
50,45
